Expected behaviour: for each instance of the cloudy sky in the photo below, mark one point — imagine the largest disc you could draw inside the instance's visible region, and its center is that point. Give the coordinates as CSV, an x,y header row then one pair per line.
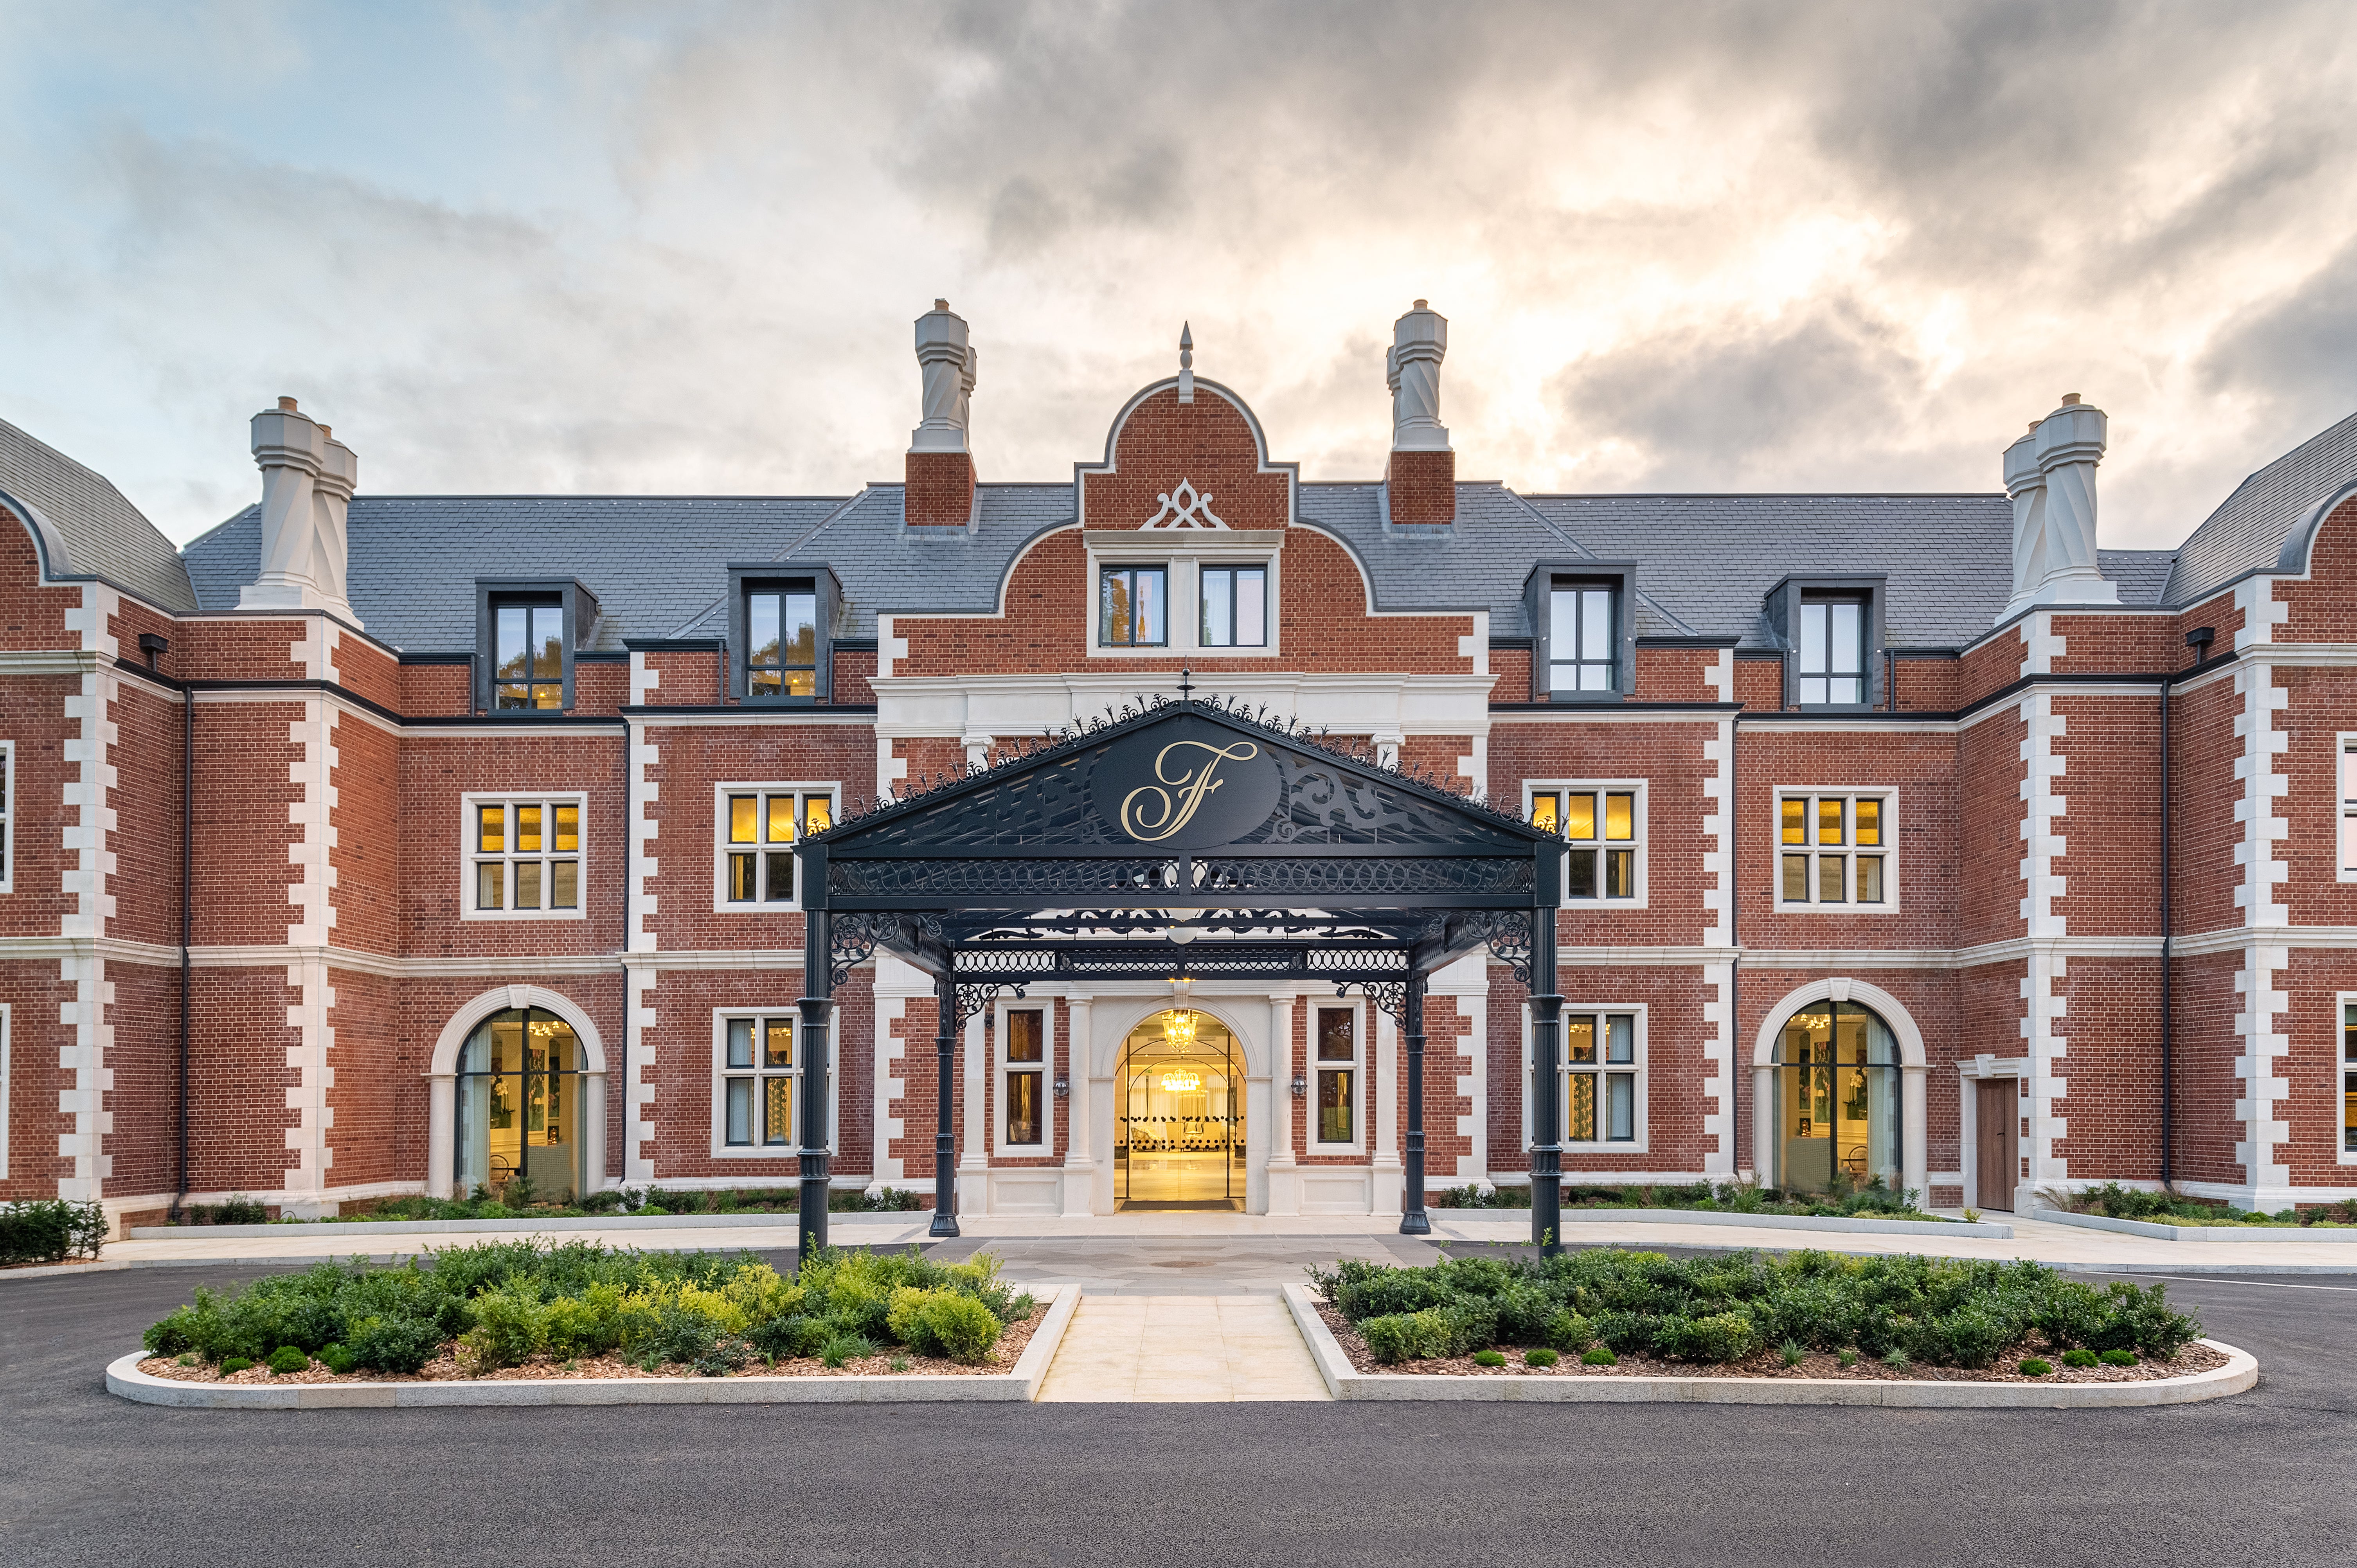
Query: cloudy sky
x,y
678,247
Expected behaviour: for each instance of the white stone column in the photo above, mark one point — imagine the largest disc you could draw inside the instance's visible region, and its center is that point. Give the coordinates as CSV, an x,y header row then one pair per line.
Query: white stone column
x,y
1283,1175
1914,1161
1764,1151
973,1154
1080,1146
1389,1184
441,1134
593,1131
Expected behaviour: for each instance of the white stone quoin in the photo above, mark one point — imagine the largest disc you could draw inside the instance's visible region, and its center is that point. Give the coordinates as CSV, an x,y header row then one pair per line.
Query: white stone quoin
x,y
2049,473
307,479
1419,342
947,359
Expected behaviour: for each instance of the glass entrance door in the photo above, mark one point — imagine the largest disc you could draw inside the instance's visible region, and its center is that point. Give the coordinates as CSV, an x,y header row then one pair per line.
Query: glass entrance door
x,y
1837,1100
519,1094
1179,1127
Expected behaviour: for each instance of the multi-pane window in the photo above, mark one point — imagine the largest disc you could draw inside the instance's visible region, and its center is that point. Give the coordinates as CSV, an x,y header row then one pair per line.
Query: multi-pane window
x,y
524,855
1835,850
1235,607
781,640
7,816
757,1087
2349,1078
759,828
1335,1077
1027,1076
1833,653
1134,607
1600,1077
2348,807
1604,831
528,653
1581,637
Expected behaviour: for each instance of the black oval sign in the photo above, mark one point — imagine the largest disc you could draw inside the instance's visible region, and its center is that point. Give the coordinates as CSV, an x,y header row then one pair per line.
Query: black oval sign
x,y
1185,785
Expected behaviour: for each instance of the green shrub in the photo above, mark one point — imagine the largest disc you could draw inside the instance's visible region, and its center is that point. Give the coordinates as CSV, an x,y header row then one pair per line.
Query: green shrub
x,y
675,1202
786,1337
1488,1358
236,1210
2115,1358
1896,1357
1567,1330
1847,1357
845,1348
905,1318
1792,1352
2034,1368
1721,1338
1372,1290
511,1329
2081,1357
1542,1357
1600,1357
51,1230
286,1359
1408,1336
395,1343
235,1364
589,1324
1523,1313
1472,1323
964,1328
337,1359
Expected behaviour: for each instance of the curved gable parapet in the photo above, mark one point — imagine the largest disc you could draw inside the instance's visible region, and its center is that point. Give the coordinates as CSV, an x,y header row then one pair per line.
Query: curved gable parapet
x,y
49,544
2270,522
1213,444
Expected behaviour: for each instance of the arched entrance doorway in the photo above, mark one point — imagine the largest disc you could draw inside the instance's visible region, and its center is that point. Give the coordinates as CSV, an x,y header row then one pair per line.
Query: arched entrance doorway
x,y
520,1106
1179,1115
1838,1120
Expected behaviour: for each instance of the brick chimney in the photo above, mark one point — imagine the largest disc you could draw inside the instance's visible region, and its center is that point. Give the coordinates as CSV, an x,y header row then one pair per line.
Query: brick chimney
x,y
940,464
307,479
2050,474
1422,477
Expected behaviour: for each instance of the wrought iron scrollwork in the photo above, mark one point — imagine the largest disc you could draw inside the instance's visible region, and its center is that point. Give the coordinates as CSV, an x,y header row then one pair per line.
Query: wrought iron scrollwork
x,y
851,938
1389,995
973,996
1508,933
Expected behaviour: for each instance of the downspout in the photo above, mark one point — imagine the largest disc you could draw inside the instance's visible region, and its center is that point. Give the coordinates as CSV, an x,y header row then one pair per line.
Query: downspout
x,y
1735,1073
2199,639
188,907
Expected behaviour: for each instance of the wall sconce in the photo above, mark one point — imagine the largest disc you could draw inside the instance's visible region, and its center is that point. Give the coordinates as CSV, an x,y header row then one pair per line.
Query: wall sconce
x,y
1063,1087
1300,1087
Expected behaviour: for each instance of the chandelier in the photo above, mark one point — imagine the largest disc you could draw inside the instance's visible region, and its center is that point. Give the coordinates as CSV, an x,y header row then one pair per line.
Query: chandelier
x,y
1181,1082
1180,1029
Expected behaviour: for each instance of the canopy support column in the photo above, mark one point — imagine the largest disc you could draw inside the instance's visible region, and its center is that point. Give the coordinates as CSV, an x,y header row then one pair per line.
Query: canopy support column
x,y
816,1050
1546,1087
945,1011
1414,1221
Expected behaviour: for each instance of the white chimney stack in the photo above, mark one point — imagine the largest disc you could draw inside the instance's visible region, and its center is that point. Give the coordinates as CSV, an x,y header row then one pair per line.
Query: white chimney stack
x,y
307,479
947,363
2051,475
1419,342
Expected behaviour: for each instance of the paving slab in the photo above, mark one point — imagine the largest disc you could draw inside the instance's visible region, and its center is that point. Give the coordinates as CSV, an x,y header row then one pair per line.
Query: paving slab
x,y
1169,1349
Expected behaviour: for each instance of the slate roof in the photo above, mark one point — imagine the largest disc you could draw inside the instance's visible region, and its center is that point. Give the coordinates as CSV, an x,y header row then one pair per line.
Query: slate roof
x,y
91,530
2267,521
2142,574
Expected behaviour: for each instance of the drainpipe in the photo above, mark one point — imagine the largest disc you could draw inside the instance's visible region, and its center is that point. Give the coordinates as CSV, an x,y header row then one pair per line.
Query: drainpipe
x,y
2199,639
152,645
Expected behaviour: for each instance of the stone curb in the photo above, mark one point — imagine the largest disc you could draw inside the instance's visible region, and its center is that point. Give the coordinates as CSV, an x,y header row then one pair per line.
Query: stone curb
x,y
1572,1217
490,1227
1347,1382
2298,1235
52,1271
1020,1385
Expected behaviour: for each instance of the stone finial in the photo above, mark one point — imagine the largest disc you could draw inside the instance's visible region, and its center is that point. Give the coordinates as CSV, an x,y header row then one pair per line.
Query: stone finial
x,y
1412,368
947,361
1186,361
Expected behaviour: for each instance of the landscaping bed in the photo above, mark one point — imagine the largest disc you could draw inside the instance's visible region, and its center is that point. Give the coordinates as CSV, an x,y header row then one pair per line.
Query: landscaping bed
x,y
1870,1200
535,1310
2112,1201
39,1232
517,1201
1611,1312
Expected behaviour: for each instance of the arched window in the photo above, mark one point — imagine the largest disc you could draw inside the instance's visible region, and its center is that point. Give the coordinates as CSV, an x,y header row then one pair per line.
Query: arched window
x,y
519,1106
1837,1100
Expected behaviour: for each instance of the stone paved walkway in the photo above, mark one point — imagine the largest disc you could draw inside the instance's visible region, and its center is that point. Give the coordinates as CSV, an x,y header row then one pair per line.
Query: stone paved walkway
x,y
1183,1349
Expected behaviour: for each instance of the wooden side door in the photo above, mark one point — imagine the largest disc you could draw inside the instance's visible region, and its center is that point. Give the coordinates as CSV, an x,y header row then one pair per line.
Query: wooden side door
x,y
1996,1138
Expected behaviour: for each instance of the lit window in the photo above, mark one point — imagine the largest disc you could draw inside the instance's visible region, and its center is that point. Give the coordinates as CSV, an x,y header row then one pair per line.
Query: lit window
x,y
1134,607
1600,1100
1335,1078
1235,607
2349,1078
1604,830
1833,653
1027,1076
1582,637
528,653
759,830
756,1088
781,640
1836,851
523,856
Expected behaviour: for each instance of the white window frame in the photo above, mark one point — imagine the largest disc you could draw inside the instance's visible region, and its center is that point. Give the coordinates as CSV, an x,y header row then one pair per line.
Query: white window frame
x,y
724,1150
2344,760
2346,1067
1641,1118
1185,553
721,846
469,856
1888,849
1533,788
1003,1069
1360,1025
8,829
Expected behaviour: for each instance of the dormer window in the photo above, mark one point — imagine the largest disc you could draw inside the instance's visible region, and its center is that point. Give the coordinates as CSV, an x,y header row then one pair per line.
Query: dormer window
x,y
781,632
525,633
1833,651
1583,627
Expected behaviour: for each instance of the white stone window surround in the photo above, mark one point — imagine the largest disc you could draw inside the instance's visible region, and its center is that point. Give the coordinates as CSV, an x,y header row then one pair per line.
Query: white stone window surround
x,y
1359,1060
2344,766
1000,1068
721,903
1641,1121
469,855
724,1150
1533,788
2344,1069
7,855
1185,553
1888,849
